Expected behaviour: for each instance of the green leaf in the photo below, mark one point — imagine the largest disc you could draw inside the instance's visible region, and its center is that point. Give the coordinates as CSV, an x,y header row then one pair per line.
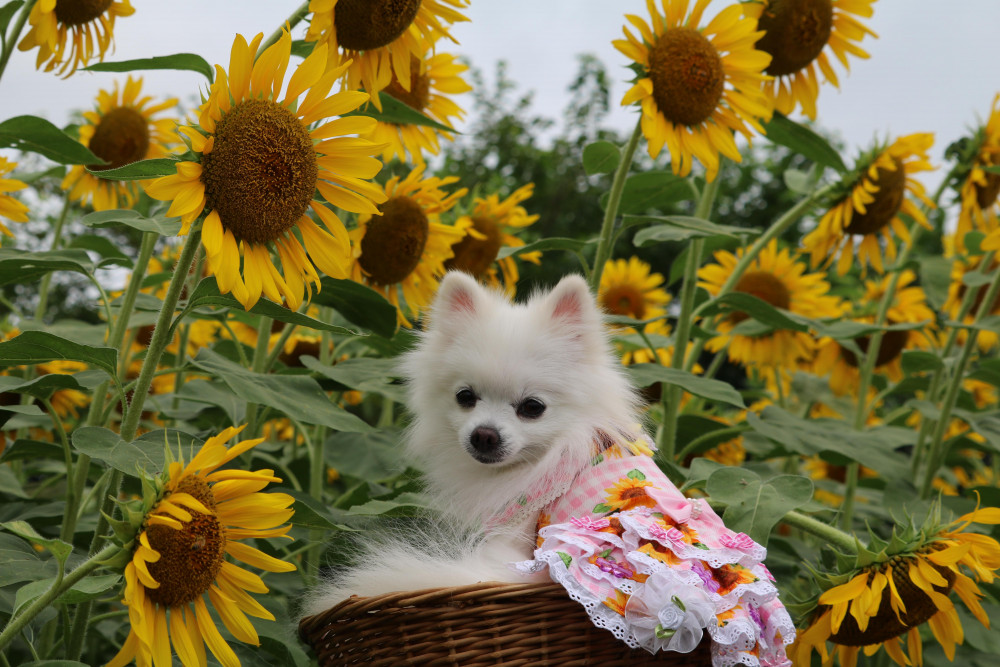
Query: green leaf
x,y
988,371
359,305
301,48
636,474
310,513
60,550
651,190
644,375
138,171
565,558
398,113
111,253
755,506
33,347
935,278
601,157
87,588
217,394
756,308
680,228
542,245
20,266
105,445
40,387
405,504
362,373
297,396
37,135
127,218
7,13
183,61
918,361
207,294
850,330
802,140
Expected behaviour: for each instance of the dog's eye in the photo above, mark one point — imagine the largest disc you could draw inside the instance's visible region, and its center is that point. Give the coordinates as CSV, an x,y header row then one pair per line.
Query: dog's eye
x,y
466,398
530,408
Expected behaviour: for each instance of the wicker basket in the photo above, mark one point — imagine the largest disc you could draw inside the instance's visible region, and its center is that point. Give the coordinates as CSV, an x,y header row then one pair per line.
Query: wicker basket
x,y
481,624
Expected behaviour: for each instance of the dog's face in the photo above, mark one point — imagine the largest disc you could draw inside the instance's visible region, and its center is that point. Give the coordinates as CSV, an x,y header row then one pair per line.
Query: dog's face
x,y
499,383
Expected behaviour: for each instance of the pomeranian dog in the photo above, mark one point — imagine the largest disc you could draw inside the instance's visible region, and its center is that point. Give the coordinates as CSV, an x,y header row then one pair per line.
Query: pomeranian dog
x,y
506,399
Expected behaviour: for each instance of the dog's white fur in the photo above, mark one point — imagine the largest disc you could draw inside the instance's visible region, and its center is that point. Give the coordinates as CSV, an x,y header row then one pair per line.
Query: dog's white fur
x,y
553,349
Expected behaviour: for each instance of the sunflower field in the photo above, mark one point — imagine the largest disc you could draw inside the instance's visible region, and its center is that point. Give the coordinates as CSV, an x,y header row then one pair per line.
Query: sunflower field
x,y
201,305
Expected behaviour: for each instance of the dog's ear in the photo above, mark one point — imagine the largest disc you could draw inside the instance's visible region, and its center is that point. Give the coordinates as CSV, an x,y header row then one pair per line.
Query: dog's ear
x,y
571,306
458,295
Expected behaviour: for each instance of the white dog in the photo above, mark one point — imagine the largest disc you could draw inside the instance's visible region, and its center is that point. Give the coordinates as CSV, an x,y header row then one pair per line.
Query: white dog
x,y
503,398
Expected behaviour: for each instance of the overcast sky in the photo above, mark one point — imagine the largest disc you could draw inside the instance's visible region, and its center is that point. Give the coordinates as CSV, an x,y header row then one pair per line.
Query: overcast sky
x,y
934,67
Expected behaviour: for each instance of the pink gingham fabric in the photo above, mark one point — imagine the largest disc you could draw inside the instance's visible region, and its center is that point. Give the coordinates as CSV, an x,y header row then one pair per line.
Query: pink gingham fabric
x,y
658,569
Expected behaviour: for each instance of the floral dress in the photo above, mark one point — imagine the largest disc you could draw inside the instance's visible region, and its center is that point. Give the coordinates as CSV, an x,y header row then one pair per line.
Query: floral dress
x,y
658,569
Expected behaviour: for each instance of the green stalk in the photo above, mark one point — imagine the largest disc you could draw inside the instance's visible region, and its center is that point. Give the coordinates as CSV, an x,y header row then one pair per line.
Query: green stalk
x,y
605,242
11,39
845,542
60,586
936,455
43,290
671,395
292,21
259,361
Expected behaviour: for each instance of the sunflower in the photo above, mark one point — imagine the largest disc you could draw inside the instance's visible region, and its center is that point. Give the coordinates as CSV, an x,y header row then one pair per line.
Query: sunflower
x,y
202,514
432,78
986,340
628,493
10,208
91,22
905,583
490,227
979,189
402,246
909,306
631,289
259,163
797,34
381,37
872,199
776,277
122,130
698,85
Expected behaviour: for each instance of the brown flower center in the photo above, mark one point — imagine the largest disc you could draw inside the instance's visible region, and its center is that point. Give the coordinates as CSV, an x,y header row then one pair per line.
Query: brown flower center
x,y
795,33
190,558
891,186
687,75
394,241
986,193
419,94
892,345
121,137
370,24
78,12
476,256
303,346
977,303
261,174
885,625
624,300
765,286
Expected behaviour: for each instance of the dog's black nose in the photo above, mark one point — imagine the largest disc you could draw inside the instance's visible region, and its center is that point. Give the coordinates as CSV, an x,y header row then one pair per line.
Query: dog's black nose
x,y
485,440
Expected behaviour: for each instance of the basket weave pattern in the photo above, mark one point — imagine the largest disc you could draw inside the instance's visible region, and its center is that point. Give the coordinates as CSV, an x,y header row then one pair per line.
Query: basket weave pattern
x,y
481,624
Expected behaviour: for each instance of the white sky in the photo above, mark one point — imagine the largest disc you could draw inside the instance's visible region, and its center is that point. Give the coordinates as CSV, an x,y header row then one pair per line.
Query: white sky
x,y
935,66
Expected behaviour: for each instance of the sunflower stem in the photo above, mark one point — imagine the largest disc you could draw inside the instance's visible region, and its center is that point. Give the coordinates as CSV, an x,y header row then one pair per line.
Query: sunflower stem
x,y
606,240
43,289
62,584
936,455
693,446
161,331
671,395
258,364
846,542
293,20
10,41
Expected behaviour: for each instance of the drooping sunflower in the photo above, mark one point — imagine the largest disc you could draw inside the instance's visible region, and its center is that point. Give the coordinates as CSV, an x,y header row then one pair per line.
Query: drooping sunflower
x,y
801,35
120,131
870,201
961,266
401,248
433,77
776,277
259,163
10,208
202,513
490,227
66,31
632,289
909,306
381,37
903,584
698,84
979,188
